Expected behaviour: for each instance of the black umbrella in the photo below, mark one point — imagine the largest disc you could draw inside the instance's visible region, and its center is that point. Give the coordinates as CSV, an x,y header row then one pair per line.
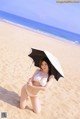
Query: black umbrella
x,y
56,69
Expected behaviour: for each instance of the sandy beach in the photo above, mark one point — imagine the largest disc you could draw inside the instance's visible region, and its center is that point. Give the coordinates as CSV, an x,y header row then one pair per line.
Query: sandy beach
x,y
62,99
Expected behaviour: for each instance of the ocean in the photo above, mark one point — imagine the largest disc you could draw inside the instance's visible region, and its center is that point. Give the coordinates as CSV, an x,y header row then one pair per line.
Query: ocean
x,y
40,27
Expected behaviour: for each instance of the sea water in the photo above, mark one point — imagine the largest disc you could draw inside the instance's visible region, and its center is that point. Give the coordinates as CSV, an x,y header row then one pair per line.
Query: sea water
x,y
40,27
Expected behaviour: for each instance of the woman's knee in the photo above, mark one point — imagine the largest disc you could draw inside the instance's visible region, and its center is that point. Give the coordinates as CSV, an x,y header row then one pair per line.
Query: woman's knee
x,y
23,101
22,106
37,109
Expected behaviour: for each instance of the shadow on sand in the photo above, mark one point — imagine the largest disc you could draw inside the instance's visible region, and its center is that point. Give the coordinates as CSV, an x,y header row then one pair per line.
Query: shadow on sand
x,y
9,97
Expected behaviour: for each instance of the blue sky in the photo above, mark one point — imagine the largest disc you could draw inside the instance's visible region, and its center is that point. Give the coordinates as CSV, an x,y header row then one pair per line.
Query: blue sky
x,y
63,16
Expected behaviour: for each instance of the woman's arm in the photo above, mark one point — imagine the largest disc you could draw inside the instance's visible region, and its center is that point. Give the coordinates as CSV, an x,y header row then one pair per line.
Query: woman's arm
x,y
43,87
31,79
35,87
50,82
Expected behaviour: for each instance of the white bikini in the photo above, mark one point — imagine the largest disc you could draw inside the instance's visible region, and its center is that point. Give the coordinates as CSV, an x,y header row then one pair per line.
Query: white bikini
x,y
41,78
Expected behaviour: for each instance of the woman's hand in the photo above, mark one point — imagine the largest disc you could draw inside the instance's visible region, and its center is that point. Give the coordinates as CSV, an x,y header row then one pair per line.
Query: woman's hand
x,y
29,83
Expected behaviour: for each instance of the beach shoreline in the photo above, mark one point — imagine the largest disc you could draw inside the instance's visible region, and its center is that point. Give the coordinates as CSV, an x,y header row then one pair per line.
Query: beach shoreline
x,y
41,32
39,27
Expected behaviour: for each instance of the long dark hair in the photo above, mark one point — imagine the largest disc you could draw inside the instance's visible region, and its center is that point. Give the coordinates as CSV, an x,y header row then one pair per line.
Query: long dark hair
x,y
49,65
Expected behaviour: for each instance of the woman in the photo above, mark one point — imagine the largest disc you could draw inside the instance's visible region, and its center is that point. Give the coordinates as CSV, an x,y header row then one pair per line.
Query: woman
x,y
41,80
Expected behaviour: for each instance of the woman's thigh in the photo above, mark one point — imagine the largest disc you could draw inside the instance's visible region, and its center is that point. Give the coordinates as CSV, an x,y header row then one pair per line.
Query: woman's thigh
x,y
23,98
24,92
36,104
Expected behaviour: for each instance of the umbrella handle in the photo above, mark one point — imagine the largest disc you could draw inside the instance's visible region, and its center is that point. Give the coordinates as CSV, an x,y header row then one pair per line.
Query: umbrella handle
x,y
29,68
31,64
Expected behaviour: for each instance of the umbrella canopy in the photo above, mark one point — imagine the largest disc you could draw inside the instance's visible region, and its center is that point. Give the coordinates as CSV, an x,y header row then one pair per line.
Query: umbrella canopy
x,y
56,69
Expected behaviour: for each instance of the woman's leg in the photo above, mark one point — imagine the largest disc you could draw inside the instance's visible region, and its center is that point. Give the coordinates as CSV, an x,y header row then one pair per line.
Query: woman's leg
x,y
36,104
23,98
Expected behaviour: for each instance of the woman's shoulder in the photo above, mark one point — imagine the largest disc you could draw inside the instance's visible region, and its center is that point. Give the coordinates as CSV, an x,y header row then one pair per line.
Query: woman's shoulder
x,y
37,70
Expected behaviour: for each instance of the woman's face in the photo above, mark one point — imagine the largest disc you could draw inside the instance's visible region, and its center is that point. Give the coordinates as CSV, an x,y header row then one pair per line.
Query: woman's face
x,y
44,67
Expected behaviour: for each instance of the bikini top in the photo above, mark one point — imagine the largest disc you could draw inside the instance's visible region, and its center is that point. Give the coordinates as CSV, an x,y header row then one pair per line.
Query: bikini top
x,y
41,78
